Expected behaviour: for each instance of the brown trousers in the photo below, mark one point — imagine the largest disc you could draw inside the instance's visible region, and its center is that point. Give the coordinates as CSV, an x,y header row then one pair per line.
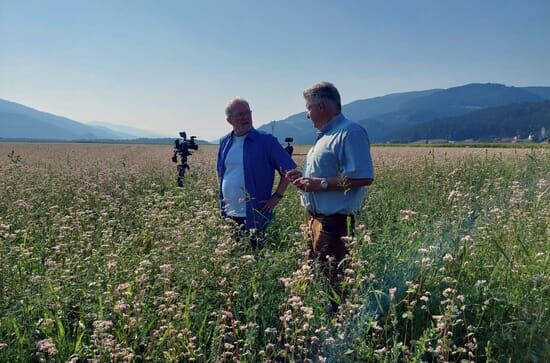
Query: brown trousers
x,y
326,244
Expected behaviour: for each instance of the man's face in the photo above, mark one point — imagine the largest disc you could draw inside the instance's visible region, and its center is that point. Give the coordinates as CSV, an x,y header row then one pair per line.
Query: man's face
x,y
315,113
240,118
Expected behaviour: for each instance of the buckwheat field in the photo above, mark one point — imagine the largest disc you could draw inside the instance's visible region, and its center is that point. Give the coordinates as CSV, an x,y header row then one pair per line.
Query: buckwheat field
x,y
104,259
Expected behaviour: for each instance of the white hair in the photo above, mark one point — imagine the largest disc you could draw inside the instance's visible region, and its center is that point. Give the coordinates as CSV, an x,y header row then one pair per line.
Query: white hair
x,y
232,103
324,92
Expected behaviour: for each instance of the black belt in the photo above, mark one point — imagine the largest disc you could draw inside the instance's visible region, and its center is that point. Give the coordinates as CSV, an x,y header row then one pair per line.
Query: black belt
x,y
319,215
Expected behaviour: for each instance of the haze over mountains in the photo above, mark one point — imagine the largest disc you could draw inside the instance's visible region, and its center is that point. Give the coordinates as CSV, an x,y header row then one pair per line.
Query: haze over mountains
x,y
21,122
397,117
473,111
128,131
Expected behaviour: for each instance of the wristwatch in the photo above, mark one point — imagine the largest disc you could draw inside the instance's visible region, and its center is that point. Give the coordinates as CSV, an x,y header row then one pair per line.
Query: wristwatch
x,y
324,184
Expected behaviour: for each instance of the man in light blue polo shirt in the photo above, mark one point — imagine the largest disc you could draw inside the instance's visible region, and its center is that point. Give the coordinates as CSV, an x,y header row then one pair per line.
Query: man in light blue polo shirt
x,y
246,165
337,169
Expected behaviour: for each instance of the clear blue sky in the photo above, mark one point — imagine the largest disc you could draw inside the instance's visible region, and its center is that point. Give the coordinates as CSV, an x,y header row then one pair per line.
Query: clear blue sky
x,y
171,65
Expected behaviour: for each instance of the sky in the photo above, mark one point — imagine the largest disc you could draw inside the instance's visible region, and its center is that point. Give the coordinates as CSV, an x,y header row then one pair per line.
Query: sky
x,y
168,66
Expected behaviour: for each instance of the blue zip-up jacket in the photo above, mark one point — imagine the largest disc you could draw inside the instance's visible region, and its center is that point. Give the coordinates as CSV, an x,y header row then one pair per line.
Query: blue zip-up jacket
x,y
262,155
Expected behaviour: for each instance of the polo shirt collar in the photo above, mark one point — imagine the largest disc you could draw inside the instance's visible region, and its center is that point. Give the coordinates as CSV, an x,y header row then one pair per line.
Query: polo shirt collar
x,y
332,123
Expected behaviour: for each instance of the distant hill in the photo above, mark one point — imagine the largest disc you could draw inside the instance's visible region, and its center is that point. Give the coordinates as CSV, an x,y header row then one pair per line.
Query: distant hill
x,y
300,128
543,92
394,117
128,131
449,102
18,121
518,119
385,117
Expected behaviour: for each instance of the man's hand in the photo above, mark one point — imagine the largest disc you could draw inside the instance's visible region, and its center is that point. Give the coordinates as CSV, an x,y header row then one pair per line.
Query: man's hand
x,y
308,184
303,183
271,203
292,175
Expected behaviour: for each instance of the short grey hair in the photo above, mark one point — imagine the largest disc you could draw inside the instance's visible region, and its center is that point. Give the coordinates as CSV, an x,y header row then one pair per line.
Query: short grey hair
x,y
324,92
232,103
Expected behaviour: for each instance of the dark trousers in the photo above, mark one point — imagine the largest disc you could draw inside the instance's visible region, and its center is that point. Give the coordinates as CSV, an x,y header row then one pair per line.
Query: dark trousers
x,y
326,245
256,238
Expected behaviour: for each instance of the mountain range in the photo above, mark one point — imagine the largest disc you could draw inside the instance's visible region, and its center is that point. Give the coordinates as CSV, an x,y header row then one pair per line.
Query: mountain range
x,y
21,122
520,120
476,111
401,117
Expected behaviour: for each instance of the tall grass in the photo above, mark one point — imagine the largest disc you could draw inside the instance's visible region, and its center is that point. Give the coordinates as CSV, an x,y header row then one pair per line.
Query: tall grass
x,y
102,258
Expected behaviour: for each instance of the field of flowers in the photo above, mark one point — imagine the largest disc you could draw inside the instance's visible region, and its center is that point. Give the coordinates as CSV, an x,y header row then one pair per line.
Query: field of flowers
x,y
102,258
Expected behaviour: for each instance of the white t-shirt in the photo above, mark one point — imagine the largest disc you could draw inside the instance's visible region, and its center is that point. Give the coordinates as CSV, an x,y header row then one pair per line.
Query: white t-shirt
x,y
233,187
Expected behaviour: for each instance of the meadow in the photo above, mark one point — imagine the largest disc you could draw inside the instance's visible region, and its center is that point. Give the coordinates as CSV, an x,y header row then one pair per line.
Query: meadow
x,y
104,259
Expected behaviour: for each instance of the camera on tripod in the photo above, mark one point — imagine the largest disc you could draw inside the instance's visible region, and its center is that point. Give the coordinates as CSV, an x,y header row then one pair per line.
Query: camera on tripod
x,y
183,147
289,148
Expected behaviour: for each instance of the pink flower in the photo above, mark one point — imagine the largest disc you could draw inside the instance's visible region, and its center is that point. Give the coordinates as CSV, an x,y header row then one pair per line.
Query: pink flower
x,y
166,268
46,345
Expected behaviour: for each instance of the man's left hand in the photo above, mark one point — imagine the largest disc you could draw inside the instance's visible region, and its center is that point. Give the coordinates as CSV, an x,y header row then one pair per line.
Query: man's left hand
x,y
308,184
271,203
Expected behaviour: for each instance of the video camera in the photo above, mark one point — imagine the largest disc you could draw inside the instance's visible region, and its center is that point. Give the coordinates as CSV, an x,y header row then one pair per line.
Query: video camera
x,y
183,147
289,148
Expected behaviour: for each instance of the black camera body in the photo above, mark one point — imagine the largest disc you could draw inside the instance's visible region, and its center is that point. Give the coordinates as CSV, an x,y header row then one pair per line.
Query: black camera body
x,y
183,147
289,148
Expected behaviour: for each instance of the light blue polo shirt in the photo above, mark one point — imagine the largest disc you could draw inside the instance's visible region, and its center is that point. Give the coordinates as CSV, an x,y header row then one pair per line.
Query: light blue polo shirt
x,y
342,148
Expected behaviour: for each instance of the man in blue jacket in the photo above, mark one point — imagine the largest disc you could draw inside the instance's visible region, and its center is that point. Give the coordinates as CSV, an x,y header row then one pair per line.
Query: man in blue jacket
x,y
246,165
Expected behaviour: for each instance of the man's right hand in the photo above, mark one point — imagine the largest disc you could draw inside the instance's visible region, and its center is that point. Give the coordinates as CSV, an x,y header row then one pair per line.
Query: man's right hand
x,y
292,175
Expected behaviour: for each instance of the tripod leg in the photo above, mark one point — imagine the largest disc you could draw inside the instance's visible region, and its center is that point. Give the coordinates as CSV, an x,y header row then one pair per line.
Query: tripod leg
x,y
181,174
